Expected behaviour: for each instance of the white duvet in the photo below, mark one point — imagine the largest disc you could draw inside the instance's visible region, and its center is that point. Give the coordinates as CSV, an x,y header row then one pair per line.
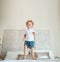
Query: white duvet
x,y
30,61
12,55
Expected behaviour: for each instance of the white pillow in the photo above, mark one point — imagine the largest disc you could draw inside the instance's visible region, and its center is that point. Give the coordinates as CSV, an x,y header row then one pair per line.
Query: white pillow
x,y
12,55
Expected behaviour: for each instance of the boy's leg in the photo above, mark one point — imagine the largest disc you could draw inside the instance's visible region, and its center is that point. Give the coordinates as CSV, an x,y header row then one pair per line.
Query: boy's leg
x,y
32,53
25,50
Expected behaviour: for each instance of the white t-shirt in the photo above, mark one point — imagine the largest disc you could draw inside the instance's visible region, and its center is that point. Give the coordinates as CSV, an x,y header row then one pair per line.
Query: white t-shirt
x,y
29,34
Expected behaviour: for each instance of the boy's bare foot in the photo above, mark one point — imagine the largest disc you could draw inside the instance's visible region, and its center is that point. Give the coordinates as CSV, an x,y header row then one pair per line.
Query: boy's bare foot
x,y
34,58
24,57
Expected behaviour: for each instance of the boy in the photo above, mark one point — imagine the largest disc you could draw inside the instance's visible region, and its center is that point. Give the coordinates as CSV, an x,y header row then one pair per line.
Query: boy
x,y
29,38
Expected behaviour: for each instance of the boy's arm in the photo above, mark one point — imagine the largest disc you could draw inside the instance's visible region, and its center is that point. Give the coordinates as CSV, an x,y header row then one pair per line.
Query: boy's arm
x,y
24,37
34,35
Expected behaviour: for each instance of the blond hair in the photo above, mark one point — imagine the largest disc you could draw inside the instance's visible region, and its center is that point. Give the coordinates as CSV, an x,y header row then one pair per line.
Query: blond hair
x,y
29,21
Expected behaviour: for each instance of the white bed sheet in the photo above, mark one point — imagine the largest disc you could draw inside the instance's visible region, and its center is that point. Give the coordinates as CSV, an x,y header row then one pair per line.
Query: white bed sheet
x,y
30,61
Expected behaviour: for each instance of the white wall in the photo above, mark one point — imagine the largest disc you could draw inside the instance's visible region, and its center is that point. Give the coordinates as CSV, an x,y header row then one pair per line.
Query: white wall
x,y
0,12
54,25
45,14
0,6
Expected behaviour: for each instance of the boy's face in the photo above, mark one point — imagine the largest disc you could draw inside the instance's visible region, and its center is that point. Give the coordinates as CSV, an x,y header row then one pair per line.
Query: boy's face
x,y
29,25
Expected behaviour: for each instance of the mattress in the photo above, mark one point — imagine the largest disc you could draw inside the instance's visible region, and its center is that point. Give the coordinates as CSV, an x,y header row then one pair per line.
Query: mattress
x,y
30,61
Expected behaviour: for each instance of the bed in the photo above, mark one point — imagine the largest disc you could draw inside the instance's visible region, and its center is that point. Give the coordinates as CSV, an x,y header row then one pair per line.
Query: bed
x,y
12,45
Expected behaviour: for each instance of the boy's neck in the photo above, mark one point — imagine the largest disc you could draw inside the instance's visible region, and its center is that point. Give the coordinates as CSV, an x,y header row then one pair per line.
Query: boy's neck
x,y
29,28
